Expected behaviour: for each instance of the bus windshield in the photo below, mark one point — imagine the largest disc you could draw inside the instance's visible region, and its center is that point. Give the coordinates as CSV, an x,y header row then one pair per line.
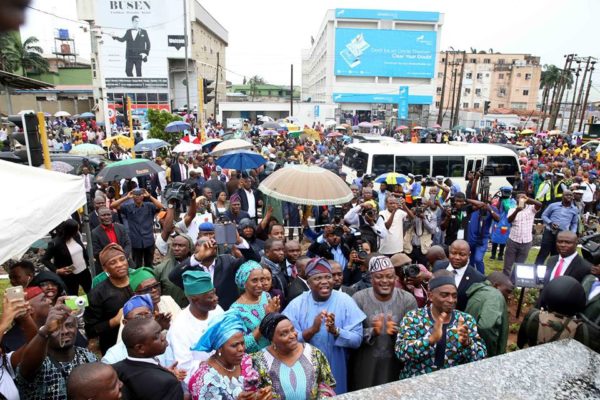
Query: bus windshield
x,y
503,165
356,159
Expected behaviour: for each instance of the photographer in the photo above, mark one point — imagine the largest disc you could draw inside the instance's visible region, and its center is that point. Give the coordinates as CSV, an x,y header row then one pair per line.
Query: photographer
x,y
418,236
333,247
412,277
371,225
394,216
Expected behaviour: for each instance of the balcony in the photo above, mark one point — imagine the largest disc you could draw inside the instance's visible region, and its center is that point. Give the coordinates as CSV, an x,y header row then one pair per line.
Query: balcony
x,y
502,67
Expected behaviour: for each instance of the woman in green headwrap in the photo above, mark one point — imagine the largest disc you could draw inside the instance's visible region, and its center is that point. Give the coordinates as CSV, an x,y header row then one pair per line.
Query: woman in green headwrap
x,y
228,373
253,304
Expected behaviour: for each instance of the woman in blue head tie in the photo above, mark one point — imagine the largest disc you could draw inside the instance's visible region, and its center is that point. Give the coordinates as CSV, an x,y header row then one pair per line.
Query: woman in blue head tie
x,y
228,373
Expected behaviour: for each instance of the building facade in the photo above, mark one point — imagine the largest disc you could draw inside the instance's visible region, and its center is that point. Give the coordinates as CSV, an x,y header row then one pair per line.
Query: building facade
x,y
265,92
506,81
374,64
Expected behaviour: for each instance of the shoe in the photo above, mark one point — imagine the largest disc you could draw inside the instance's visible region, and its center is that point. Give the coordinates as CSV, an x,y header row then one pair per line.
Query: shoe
x,y
492,257
500,258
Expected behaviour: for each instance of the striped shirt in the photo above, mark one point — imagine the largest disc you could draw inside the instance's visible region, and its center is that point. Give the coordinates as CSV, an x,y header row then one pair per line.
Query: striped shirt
x,y
522,226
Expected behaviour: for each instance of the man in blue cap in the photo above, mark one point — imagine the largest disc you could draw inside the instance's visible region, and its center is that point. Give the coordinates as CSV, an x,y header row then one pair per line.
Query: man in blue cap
x,y
193,320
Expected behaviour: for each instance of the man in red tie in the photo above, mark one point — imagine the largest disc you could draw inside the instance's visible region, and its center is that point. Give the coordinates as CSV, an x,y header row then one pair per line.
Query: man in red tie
x,y
567,262
109,232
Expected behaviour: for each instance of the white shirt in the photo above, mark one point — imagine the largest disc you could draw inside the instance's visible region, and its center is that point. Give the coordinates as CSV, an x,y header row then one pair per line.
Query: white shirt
x,y
588,193
77,257
594,292
566,264
183,171
87,182
7,385
184,333
134,33
251,203
146,360
458,273
394,242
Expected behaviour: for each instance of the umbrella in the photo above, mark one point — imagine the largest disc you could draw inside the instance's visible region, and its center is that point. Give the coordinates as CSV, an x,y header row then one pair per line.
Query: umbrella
x,y
554,132
241,160
295,134
334,134
436,126
293,120
87,149
60,166
62,114
418,127
188,138
469,130
341,128
87,115
127,169
269,132
330,123
306,184
392,178
526,132
458,128
211,141
122,140
401,127
47,114
177,126
150,145
265,118
231,144
355,128
186,147
365,125
292,127
271,125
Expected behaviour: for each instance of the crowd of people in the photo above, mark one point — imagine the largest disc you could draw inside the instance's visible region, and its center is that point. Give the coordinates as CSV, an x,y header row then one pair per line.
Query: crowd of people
x,y
394,284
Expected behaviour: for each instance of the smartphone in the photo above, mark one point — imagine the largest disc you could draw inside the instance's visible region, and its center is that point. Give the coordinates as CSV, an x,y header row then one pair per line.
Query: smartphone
x,y
225,233
15,293
77,302
522,202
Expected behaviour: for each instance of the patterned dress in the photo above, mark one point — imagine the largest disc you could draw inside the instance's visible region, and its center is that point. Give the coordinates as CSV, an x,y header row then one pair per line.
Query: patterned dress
x,y
252,315
309,378
208,384
420,357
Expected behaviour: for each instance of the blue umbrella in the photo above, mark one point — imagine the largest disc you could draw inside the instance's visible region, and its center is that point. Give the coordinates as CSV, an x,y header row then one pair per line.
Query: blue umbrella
x,y
178,126
87,115
241,160
150,145
392,178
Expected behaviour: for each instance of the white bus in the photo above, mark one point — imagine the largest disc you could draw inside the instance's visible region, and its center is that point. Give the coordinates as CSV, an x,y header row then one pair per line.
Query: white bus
x,y
452,160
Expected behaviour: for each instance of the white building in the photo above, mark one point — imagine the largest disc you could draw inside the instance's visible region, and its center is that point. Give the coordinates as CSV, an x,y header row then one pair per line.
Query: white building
x,y
364,60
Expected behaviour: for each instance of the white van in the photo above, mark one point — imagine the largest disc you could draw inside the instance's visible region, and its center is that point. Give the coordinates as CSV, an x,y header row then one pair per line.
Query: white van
x,y
449,160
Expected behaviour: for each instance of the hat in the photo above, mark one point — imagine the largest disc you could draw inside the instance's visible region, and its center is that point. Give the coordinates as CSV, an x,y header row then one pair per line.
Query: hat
x,y
137,301
441,281
219,331
380,263
206,227
506,188
247,223
400,259
235,198
109,252
196,282
269,324
140,275
32,291
317,266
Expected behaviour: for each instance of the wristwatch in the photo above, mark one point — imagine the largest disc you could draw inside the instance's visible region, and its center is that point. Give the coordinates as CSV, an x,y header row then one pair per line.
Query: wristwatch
x,y
43,332
170,205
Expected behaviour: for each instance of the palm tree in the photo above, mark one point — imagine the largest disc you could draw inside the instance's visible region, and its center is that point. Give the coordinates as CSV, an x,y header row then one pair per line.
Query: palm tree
x,y
254,82
549,81
26,55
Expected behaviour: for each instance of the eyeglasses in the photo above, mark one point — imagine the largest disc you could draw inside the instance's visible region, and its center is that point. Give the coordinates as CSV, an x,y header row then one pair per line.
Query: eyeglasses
x,y
149,288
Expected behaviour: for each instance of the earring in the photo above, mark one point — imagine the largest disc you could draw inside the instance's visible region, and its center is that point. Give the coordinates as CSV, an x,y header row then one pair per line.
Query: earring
x,y
219,354
274,346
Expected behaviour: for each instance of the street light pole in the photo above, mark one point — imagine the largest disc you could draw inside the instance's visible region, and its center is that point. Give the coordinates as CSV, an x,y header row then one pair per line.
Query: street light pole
x,y
187,74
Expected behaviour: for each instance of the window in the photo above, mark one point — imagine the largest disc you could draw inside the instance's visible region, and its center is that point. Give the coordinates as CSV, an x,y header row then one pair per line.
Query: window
x,y
152,97
418,165
478,92
527,76
355,159
500,76
465,105
438,90
142,97
502,92
437,104
502,165
443,59
163,97
467,91
500,105
501,61
525,92
440,74
469,75
448,166
479,75
487,75
473,165
519,75
486,60
382,163
473,61
475,105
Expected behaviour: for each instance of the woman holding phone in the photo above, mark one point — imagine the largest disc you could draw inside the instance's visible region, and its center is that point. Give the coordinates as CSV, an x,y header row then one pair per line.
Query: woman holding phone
x,y
67,257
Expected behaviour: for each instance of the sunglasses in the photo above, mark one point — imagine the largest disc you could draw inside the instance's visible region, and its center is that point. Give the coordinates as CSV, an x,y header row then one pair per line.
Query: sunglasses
x,y
149,289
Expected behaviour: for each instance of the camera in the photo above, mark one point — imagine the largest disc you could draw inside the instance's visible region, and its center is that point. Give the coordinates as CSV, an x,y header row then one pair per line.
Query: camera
x,y
410,270
428,181
77,303
590,248
337,214
179,191
362,254
368,212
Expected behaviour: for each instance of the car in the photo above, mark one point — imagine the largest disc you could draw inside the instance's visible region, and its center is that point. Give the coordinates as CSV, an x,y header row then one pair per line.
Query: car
x,y
593,146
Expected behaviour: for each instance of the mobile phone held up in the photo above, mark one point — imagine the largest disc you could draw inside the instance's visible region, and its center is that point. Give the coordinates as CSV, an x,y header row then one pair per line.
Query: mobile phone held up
x,y
15,293
225,233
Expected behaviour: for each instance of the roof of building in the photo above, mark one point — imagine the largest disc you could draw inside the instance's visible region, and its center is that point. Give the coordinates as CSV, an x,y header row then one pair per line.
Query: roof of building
x,y
14,81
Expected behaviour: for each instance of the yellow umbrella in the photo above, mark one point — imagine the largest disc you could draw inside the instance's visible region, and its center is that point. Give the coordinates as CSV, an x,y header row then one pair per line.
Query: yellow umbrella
x,y
526,132
122,140
293,127
554,132
313,134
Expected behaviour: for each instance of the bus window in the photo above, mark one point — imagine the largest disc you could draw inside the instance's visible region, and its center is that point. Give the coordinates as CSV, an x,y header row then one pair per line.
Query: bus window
x,y
448,166
355,159
382,163
418,165
503,165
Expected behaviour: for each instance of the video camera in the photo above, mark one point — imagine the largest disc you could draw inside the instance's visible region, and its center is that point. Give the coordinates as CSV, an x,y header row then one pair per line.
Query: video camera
x,y
590,248
180,191
337,214
362,254
410,270
428,181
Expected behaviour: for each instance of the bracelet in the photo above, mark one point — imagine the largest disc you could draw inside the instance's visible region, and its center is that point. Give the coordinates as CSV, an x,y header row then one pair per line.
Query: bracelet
x,y
43,332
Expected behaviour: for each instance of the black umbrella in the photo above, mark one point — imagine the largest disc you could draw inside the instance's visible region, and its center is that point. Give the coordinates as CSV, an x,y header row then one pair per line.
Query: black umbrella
x,y
128,169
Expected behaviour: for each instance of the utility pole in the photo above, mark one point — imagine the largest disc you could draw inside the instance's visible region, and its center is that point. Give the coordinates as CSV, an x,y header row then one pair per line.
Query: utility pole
x,y
451,105
573,111
292,90
99,87
581,90
587,95
187,74
216,88
440,117
555,110
462,74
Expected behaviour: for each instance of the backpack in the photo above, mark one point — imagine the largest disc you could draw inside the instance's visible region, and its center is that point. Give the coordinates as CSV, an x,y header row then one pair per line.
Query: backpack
x,y
550,326
589,333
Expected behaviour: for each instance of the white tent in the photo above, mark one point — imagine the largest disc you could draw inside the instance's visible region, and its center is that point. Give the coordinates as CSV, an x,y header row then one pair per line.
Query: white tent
x,y
33,202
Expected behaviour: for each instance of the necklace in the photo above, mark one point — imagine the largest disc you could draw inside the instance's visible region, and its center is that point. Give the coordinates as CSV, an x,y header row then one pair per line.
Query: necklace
x,y
223,366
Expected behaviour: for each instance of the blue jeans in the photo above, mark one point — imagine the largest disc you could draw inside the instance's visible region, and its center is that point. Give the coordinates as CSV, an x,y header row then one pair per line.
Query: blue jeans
x,y
477,253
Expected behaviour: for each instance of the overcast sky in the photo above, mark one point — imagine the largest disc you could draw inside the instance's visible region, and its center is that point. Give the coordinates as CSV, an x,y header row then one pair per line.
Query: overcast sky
x,y
266,36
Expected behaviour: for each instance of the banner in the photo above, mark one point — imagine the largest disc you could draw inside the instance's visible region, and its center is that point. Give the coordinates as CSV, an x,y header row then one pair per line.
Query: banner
x,y
138,37
387,53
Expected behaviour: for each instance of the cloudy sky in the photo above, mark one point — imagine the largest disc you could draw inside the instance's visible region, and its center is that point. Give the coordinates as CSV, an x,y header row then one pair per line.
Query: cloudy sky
x,y
266,36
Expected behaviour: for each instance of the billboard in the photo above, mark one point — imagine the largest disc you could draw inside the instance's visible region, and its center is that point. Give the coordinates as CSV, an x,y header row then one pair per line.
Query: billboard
x,y
137,39
382,52
397,15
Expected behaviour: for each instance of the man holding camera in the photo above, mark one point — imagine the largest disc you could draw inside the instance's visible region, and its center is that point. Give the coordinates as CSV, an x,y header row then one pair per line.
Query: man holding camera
x,y
520,238
559,216
419,236
394,216
365,218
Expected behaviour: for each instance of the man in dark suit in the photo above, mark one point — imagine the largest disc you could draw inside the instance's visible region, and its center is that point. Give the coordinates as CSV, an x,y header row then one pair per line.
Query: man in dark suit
x,y
464,274
591,285
99,202
142,375
250,198
179,170
567,262
137,47
221,267
298,285
333,247
109,232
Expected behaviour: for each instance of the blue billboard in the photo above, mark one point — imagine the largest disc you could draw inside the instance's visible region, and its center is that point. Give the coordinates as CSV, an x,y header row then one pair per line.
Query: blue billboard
x,y
403,102
394,15
388,53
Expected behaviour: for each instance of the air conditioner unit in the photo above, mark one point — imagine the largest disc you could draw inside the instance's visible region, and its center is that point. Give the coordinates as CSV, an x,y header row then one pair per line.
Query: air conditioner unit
x,y
51,97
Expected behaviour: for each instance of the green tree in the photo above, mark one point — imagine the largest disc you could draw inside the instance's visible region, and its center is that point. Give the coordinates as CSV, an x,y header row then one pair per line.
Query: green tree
x,y
26,55
254,82
549,81
158,122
